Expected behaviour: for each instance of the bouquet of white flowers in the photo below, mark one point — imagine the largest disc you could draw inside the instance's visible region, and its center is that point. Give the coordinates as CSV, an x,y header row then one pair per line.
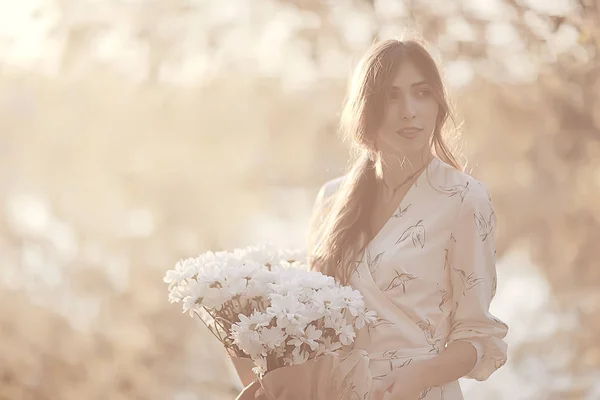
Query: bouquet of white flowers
x,y
263,303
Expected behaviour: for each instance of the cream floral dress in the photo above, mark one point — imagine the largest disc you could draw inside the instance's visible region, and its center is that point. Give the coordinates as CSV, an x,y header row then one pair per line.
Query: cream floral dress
x,y
430,275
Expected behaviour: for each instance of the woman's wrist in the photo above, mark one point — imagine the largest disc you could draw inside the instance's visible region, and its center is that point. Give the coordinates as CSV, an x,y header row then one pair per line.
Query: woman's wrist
x,y
453,363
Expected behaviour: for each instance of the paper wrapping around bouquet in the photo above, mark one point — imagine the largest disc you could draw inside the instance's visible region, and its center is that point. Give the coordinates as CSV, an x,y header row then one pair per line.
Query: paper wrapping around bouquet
x,y
327,377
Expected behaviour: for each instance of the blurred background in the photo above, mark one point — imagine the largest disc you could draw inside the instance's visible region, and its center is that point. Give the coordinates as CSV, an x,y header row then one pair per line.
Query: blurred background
x,y
134,133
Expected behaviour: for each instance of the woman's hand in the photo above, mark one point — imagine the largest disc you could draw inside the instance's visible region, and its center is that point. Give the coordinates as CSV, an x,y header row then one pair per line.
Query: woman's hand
x,y
252,392
404,383
260,394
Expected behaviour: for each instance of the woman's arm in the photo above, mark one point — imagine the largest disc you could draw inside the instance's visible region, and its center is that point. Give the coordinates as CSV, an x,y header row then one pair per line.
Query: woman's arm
x,y
472,259
455,362
412,380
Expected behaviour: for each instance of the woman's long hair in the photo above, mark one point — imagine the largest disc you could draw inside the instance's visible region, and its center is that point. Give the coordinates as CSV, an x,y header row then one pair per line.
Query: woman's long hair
x,y
340,232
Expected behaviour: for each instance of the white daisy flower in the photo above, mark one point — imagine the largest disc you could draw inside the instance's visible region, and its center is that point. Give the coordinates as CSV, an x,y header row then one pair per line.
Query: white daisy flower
x,y
272,337
365,318
347,335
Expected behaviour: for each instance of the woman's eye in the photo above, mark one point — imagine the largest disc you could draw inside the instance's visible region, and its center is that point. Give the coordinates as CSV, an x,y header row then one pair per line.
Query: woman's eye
x,y
394,95
423,93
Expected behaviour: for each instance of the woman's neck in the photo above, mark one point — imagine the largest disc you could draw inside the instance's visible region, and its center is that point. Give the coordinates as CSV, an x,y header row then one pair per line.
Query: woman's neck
x,y
396,171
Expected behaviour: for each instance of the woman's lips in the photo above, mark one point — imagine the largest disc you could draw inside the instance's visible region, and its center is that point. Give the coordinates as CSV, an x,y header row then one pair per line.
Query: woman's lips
x,y
409,133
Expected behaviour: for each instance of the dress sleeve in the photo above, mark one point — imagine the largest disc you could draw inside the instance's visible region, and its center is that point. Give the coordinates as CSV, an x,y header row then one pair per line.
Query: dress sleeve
x,y
472,257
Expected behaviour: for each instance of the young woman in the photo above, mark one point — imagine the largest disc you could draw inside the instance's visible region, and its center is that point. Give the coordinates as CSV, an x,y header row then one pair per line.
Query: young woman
x,y
412,232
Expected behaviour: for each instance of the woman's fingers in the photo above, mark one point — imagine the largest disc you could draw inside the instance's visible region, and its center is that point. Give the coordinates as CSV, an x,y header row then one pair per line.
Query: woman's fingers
x,y
260,394
379,392
386,386
249,392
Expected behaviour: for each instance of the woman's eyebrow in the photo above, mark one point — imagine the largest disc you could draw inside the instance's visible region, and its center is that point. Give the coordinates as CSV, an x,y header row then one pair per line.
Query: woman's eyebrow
x,y
416,84
420,83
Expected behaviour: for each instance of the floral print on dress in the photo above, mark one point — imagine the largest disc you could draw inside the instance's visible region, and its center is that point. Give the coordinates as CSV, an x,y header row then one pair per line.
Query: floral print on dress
x,y
356,396
356,271
461,326
400,280
373,263
392,355
415,232
378,322
429,332
460,190
395,355
484,225
436,279
445,259
446,297
469,281
401,211
380,377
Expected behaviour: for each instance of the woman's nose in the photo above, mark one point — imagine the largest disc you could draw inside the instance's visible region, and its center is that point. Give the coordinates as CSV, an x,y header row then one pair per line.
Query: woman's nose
x,y
408,110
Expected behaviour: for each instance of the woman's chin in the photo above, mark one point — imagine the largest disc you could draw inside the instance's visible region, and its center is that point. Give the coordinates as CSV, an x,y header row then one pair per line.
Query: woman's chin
x,y
410,149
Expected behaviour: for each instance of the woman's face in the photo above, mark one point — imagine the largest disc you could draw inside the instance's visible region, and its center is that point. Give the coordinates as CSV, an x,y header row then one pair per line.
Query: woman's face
x,y
410,116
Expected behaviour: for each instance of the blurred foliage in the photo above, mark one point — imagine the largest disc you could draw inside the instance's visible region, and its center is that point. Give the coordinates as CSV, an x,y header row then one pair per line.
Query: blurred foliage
x,y
148,131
